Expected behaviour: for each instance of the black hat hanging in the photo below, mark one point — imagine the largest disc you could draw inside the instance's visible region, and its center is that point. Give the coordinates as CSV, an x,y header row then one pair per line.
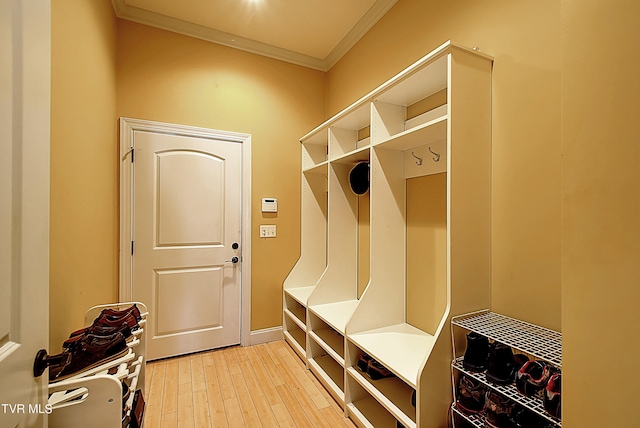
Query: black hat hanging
x,y
359,178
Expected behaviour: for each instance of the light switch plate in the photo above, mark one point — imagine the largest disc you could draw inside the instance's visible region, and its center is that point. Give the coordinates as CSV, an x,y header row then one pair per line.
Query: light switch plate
x,y
267,230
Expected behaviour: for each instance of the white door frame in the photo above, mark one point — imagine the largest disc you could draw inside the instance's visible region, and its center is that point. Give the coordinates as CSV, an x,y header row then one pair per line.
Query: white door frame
x,y
127,127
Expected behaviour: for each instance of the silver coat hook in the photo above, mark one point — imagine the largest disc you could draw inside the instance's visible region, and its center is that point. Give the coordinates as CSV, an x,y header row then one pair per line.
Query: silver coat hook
x,y
437,156
419,161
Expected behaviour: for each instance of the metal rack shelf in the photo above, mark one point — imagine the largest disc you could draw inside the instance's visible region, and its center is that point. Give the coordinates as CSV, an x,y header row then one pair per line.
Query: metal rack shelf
x,y
475,419
533,403
537,341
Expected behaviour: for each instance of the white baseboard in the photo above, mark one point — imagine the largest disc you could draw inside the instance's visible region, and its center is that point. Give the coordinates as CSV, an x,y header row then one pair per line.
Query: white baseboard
x,y
266,335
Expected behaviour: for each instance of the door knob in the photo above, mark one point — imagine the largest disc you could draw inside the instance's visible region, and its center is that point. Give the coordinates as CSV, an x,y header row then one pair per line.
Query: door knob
x,y
44,360
233,260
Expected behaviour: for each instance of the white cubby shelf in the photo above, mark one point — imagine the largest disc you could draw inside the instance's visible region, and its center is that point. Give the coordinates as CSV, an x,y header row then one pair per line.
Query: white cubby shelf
x,y
382,273
401,348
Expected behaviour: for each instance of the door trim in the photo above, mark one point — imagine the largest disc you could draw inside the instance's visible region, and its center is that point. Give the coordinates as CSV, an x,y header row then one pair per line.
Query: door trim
x,y
127,127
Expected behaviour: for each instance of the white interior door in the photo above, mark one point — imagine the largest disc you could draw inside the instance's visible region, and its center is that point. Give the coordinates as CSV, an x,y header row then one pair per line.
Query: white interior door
x,y
187,202
24,208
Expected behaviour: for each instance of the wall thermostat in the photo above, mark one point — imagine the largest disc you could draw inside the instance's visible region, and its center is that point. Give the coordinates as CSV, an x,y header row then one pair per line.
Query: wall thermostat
x,y
269,205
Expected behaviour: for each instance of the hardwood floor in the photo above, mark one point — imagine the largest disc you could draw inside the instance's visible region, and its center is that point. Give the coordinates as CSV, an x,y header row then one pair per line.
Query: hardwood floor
x,y
258,386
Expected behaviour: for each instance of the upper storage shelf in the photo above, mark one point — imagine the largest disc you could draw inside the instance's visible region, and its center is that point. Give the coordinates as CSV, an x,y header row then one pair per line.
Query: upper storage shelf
x,y
350,132
314,150
409,110
538,341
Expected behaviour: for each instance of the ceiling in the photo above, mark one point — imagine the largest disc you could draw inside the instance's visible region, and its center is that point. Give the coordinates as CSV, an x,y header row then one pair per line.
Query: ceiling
x,y
311,33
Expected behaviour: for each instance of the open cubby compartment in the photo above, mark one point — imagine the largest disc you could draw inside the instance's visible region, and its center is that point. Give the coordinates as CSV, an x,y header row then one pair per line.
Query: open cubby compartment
x,y
315,148
336,295
293,308
366,410
412,100
349,130
295,318
312,262
323,364
325,335
392,392
361,216
379,324
424,149
296,336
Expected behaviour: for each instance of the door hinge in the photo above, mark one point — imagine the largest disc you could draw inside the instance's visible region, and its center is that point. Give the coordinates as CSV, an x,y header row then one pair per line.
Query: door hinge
x,y
129,152
132,248
133,151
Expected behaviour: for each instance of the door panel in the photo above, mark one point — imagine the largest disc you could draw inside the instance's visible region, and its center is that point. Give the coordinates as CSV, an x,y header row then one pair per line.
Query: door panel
x,y
200,290
187,214
179,200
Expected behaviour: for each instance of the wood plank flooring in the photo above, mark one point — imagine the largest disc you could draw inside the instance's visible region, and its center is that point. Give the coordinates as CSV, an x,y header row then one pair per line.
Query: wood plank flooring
x,y
257,386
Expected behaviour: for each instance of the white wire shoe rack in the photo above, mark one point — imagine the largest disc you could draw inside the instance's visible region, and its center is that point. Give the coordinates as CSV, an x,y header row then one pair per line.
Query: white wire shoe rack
x,y
535,342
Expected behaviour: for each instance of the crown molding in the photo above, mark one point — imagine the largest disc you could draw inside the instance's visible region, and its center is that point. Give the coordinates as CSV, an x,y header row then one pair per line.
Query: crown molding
x,y
368,20
141,16
168,23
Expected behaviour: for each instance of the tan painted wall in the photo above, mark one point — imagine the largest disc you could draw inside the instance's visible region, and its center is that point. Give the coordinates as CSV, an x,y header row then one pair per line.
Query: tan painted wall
x,y
156,75
523,36
84,192
426,268
600,212
166,77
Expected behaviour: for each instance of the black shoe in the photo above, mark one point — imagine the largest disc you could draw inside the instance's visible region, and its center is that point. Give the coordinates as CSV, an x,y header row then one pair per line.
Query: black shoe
x,y
471,395
476,355
502,366
526,419
499,409
532,377
376,371
552,396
